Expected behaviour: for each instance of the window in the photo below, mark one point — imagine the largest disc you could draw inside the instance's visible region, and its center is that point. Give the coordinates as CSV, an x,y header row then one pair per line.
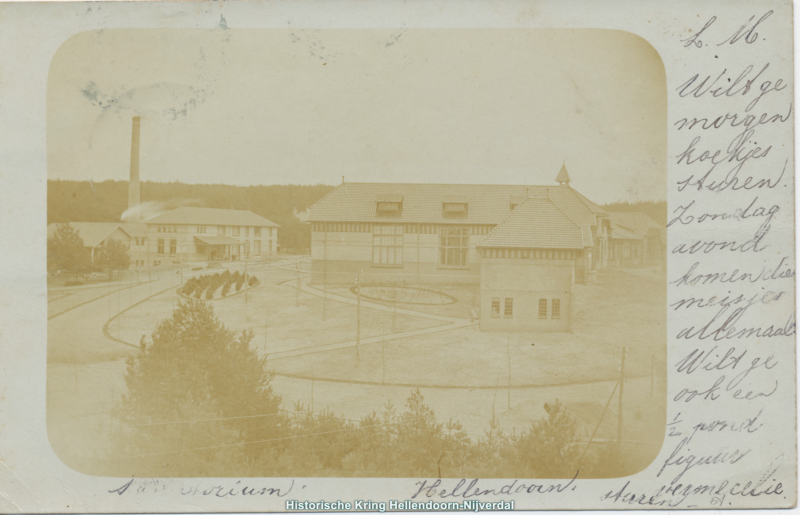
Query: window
x,y
389,209
387,245
509,312
455,208
235,230
173,246
247,231
556,309
495,307
221,230
453,246
160,246
256,231
257,247
542,308
201,229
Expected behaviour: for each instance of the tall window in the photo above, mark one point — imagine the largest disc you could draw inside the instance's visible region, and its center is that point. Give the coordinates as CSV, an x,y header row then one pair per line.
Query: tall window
x,y
542,308
495,307
556,309
257,247
247,231
201,229
256,231
173,246
235,230
387,244
509,312
221,230
453,246
160,246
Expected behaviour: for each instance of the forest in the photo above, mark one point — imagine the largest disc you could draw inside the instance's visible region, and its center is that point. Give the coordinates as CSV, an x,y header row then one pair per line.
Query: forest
x,y
86,201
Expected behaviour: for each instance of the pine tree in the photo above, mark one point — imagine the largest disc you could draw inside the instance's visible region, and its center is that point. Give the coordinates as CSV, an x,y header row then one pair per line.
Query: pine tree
x,y
198,385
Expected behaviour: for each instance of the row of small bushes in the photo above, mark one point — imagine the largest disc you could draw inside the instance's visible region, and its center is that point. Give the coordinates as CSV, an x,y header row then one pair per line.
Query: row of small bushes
x,y
206,285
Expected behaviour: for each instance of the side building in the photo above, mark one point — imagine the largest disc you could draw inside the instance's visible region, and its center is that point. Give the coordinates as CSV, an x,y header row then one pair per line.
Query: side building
x,y
528,269
636,239
197,234
96,234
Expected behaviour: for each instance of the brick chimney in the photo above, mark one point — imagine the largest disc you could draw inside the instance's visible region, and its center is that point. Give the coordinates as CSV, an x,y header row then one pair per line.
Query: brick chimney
x,y
133,183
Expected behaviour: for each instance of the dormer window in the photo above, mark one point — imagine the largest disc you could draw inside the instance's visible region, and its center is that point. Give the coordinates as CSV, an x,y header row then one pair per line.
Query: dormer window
x,y
455,207
389,206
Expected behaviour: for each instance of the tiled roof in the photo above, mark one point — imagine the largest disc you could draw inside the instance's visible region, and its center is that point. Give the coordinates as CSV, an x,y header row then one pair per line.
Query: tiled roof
x,y
632,225
134,229
211,216
538,223
94,233
422,203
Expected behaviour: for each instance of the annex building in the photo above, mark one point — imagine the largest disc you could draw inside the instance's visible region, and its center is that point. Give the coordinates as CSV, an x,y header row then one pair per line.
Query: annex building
x,y
636,239
186,235
525,246
196,234
96,234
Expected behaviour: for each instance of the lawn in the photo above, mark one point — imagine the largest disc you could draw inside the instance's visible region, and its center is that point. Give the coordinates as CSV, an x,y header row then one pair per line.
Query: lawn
x,y
619,309
278,324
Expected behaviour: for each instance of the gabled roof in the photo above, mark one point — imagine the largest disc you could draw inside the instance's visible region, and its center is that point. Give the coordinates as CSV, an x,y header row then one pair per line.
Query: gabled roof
x,y
95,233
422,203
633,225
210,216
134,229
538,223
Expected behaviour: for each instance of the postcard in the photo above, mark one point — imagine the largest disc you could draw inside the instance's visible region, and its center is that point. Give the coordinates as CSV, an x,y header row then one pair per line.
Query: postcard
x,y
387,256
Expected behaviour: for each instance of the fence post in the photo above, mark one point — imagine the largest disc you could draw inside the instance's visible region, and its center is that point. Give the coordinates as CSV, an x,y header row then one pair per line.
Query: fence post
x,y
621,393
508,353
358,314
297,298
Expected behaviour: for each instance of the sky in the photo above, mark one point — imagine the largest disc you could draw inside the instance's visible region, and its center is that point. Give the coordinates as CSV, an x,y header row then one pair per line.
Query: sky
x,y
286,106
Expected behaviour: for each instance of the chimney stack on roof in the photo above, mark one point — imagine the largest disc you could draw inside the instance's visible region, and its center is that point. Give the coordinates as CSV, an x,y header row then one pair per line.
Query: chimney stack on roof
x,y
133,182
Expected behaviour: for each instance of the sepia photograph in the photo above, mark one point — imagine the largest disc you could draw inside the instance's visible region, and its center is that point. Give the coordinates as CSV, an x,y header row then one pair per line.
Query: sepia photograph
x,y
357,253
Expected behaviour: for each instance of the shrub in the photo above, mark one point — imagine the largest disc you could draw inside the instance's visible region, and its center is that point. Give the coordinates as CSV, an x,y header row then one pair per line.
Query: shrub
x,y
210,292
226,288
239,284
196,368
252,280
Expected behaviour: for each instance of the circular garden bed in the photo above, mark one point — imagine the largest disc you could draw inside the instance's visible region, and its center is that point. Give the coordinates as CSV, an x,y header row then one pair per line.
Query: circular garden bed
x,y
406,295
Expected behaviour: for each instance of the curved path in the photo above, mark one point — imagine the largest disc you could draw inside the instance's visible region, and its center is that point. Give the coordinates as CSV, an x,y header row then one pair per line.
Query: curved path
x,y
85,368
